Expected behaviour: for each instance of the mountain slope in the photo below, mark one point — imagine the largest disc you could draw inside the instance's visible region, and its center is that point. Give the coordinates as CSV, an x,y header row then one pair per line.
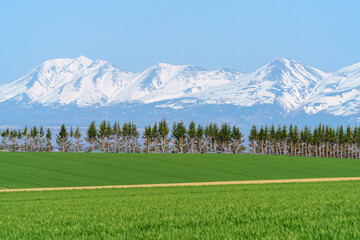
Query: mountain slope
x,y
338,94
280,87
286,82
80,81
165,81
85,83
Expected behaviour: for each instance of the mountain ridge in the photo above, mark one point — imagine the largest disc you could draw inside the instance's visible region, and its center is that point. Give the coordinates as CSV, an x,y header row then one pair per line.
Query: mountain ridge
x,y
284,84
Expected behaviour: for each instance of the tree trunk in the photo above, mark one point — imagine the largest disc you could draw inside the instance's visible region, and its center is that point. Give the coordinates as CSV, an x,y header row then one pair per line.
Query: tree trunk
x,y
148,144
181,145
284,147
192,144
253,147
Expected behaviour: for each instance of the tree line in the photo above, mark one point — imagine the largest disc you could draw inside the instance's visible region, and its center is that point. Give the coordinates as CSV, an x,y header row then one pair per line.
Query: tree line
x,y
107,137
322,141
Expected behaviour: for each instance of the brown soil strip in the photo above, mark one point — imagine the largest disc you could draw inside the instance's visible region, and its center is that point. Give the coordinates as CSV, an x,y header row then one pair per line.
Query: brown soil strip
x,y
191,184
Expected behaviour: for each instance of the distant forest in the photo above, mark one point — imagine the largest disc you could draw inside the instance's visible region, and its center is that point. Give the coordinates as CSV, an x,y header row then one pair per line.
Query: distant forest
x,y
322,141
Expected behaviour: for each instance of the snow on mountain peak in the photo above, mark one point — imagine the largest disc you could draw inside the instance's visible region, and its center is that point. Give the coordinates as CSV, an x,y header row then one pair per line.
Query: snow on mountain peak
x,y
164,65
82,58
286,82
350,69
227,69
279,61
338,94
85,82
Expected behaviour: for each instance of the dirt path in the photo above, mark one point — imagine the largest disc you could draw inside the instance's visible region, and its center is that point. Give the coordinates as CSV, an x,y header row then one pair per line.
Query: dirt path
x,y
190,184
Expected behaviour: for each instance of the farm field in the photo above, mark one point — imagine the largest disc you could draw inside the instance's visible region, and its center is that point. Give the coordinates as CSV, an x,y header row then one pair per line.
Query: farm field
x,y
320,210
28,170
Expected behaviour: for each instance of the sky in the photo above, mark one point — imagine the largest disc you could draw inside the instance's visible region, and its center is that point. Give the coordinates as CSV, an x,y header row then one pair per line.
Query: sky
x,y
134,35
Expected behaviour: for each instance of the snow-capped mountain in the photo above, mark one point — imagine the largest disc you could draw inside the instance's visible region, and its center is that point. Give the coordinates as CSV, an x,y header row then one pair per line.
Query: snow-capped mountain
x,y
286,82
281,88
84,82
165,81
338,94
66,81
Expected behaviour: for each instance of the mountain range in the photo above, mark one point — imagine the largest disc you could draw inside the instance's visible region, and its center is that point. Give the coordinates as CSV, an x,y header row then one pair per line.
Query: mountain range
x,y
79,90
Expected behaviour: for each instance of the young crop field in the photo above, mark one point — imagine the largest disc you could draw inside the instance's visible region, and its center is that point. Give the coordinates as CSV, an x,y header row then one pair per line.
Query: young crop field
x,y
28,170
276,211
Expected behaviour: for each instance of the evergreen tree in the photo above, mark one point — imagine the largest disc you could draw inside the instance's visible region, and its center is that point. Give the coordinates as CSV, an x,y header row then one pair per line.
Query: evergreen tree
x,y
173,136
332,142
5,135
357,141
34,138
12,138
91,136
283,138
147,138
134,136
278,137
41,141
349,141
266,140
109,136
26,136
192,135
261,139
78,140
253,138
19,136
179,134
272,139
208,137
62,139
291,140
199,138
155,137
125,141
341,139
308,136
102,134
237,140
326,138
296,140
117,137
163,134
225,137
71,141
48,138
215,137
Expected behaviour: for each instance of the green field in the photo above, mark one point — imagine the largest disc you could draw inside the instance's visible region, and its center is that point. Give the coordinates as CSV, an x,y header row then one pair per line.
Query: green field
x,y
284,211
275,211
25,170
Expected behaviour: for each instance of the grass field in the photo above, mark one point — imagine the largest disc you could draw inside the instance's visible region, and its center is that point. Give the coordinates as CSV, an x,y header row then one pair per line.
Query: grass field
x,y
275,211
25,170
321,210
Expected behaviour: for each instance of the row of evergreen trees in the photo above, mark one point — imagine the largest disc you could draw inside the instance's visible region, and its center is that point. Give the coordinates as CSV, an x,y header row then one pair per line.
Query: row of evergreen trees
x,y
37,140
194,139
106,137
322,141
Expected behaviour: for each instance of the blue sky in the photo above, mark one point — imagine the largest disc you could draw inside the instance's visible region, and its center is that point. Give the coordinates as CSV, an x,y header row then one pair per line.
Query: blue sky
x,y
134,35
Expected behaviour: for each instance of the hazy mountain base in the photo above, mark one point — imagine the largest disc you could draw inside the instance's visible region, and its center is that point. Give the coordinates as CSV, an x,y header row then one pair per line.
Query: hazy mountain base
x,y
35,114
